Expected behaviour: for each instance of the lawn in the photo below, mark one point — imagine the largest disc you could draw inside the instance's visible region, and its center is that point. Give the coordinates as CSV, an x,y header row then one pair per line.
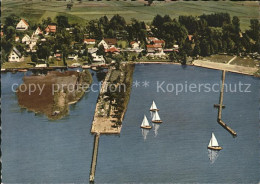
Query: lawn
x,y
245,61
36,10
24,64
219,58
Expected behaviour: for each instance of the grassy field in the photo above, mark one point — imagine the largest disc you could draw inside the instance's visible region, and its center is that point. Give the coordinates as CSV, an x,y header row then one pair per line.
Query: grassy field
x,y
244,61
36,10
219,58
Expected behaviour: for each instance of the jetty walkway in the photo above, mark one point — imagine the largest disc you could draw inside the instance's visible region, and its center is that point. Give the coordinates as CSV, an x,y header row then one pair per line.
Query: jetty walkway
x,y
220,106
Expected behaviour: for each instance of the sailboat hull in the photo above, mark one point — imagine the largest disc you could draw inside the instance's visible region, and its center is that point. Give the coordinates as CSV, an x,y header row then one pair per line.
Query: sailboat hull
x,y
153,110
157,121
215,147
146,127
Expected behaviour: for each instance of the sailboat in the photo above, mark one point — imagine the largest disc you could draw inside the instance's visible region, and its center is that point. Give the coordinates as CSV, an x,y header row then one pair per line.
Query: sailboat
x,y
213,143
156,118
153,107
145,124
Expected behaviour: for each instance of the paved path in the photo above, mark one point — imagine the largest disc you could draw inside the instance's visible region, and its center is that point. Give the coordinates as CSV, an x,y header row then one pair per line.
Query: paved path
x,y
227,67
231,60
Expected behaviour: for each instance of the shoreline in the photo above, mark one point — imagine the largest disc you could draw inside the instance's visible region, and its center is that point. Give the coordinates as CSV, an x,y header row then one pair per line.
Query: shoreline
x,y
198,63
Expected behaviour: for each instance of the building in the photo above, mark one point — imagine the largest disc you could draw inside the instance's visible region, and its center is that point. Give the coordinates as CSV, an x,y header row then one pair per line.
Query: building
x,y
112,50
98,58
26,39
135,45
51,29
90,41
15,56
17,39
37,32
153,48
22,25
102,42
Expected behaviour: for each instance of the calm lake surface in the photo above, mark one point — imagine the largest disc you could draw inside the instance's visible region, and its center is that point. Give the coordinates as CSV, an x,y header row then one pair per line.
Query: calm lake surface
x,y
37,150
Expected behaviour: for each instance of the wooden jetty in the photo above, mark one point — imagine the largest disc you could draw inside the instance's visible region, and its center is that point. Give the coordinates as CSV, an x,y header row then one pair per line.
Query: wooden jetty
x,y
94,158
220,106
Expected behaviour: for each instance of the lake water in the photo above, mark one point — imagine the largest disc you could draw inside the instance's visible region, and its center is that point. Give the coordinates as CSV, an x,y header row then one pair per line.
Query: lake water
x,y
37,150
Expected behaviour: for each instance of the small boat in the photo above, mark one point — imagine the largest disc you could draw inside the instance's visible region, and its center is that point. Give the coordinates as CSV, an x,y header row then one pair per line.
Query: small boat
x,y
22,70
213,143
85,67
154,107
145,124
156,118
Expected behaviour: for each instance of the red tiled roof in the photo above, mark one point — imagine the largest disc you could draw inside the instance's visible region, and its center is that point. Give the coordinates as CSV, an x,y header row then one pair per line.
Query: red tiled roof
x,y
190,37
153,46
159,41
132,42
2,33
51,28
89,40
110,41
113,49
25,22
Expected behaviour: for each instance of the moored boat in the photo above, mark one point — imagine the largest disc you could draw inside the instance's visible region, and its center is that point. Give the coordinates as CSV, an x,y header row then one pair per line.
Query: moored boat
x,y
145,124
154,107
156,118
213,143
22,70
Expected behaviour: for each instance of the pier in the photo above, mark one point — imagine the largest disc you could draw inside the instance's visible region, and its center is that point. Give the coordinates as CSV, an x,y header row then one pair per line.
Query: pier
x,y
94,158
220,106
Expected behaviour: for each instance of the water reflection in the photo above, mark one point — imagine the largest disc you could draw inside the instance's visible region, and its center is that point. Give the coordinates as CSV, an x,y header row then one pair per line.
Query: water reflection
x,y
156,127
145,132
213,155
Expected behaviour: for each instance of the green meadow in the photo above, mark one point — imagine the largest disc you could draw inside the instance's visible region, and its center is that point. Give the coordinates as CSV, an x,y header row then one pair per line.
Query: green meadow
x,y
34,11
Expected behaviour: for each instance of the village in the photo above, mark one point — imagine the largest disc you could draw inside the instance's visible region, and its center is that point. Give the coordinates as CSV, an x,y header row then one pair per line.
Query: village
x,y
70,46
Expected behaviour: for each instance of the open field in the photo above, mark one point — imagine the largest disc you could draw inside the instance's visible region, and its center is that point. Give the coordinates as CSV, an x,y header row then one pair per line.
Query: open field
x,y
34,11
219,58
244,61
227,67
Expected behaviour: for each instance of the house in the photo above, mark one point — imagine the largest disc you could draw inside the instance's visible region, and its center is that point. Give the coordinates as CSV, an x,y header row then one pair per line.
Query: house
x,y
112,50
134,44
89,41
17,39
51,29
153,48
159,42
151,39
15,56
26,39
98,58
58,56
37,32
33,42
102,42
110,41
22,25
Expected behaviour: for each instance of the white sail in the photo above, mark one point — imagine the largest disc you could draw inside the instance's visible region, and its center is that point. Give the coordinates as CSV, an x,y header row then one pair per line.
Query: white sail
x,y
156,117
145,122
153,106
213,141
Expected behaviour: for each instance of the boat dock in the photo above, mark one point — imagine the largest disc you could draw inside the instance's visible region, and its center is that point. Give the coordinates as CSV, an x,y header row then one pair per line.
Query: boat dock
x,y
94,158
220,106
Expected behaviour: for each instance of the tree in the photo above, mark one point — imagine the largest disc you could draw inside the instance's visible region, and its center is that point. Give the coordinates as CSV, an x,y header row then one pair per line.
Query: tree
x,y
101,50
11,20
34,57
69,6
62,21
150,2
